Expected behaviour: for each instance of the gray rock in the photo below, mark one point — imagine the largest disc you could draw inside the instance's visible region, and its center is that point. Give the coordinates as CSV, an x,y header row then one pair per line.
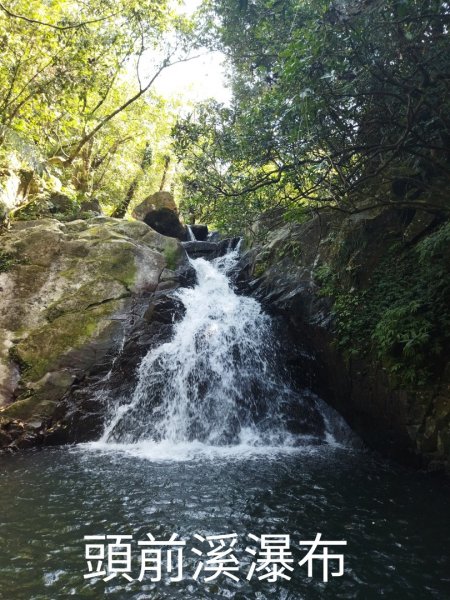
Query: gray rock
x,y
166,222
200,232
67,303
412,425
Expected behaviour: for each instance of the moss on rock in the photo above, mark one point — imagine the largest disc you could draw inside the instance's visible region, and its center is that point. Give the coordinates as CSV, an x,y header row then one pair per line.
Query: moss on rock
x,y
63,287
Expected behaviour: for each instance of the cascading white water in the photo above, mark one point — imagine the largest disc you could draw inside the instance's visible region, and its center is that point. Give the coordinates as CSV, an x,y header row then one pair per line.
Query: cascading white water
x,y
191,235
216,382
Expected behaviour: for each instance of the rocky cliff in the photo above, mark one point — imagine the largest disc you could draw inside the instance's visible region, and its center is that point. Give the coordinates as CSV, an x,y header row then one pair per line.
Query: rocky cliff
x,y
71,296
365,304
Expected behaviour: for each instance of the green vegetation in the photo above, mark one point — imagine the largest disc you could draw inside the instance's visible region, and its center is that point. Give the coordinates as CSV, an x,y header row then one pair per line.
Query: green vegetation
x,y
171,254
402,314
78,114
335,104
291,248
8,260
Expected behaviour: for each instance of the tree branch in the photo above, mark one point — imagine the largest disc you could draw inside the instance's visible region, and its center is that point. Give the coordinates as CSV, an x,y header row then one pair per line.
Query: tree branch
x,y
123,106
58,27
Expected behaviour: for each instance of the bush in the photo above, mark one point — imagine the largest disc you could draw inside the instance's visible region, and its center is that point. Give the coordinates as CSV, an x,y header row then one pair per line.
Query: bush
x,y
402,317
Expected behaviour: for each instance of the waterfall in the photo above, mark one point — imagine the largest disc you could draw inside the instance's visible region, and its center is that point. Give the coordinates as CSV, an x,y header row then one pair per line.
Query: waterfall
x,y
191,235
217,382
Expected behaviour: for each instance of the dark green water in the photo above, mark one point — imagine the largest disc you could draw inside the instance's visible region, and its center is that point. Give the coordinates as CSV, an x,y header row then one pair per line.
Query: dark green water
x,y
396,522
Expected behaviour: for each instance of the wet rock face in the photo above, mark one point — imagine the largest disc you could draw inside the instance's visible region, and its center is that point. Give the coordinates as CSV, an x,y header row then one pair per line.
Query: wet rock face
x,y
210,250
70,294
80,415
409,424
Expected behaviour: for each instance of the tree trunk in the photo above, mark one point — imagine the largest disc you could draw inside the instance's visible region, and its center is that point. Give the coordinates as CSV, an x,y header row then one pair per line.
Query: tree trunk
x,y
121,210
164,177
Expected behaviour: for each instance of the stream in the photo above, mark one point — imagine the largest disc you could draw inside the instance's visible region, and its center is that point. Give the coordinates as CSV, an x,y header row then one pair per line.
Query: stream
x,y
214,441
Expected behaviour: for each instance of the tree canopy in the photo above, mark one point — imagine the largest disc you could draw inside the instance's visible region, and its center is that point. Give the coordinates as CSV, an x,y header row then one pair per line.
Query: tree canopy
x,y
77,99
342,104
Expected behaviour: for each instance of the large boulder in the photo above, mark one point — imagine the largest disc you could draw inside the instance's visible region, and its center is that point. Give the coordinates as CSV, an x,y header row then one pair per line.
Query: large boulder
x,y
200,232
210,250
155,202
68,295
166,222
160,212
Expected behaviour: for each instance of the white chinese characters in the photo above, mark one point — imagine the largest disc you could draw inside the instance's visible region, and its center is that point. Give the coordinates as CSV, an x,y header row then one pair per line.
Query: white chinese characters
x,y
272,559
152,554
220,560
214,556
108,559
325,557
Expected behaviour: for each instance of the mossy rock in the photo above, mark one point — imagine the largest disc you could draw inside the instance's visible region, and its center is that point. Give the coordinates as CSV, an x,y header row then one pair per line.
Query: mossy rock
x,y
44,348
64,286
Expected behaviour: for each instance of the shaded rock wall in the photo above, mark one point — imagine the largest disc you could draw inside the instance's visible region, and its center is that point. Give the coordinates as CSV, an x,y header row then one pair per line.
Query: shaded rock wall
x,y
166,222
406,421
